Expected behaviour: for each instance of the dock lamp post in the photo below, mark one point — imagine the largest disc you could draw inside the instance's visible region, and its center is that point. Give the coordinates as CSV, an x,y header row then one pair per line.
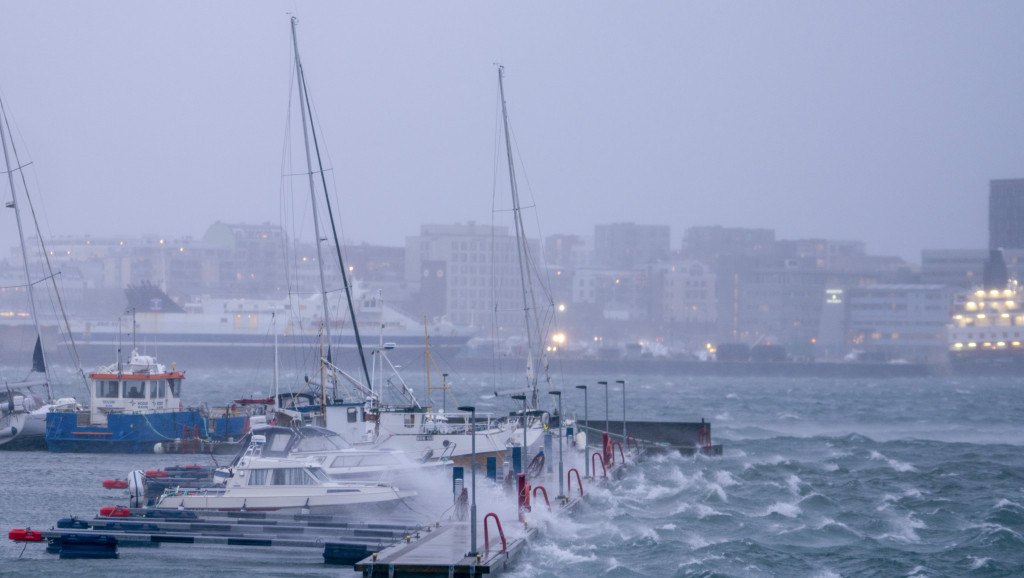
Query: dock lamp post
x,y
623,384
586,418
607,427
523,397
561,432
472,472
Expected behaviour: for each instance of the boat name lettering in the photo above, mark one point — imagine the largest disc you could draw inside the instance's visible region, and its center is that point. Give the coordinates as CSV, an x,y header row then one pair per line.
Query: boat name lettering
x,y
424,438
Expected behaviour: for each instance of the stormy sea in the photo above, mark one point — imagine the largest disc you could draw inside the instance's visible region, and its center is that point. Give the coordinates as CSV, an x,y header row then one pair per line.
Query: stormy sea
x,y
820,477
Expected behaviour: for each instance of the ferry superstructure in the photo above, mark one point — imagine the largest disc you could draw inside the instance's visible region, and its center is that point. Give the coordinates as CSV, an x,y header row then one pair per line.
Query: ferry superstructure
x,y
988,325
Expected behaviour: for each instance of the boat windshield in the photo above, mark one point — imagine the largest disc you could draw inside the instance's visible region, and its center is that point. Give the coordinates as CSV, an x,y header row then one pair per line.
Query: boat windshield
x,y
365,459
321,443
318,475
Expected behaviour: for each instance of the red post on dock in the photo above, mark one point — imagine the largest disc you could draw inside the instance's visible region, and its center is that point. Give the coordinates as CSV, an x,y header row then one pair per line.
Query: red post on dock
x,y
523,496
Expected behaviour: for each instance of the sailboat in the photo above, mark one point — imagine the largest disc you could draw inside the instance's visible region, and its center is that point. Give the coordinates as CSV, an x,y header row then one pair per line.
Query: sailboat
x,y
22,410
534,326
359,413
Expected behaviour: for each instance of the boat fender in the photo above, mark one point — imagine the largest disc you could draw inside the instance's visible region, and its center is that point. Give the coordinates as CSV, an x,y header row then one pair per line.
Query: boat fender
x,y
581,439
544,418
181,405
115,484
158,448
25,535
8,432
137,489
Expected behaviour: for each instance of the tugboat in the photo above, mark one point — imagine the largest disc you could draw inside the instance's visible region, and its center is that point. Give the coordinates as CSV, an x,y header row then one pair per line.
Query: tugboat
x,y
137,408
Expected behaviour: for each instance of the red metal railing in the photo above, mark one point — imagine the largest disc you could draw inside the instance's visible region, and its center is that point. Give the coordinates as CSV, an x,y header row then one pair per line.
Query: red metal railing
x,y
632,438
541,488
604,470
578,481
487,542
621,455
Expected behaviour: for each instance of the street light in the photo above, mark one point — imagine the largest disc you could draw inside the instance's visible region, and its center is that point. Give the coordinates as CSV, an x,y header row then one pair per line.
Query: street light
x,y
607,428
623,384
472,473
561,486
586,418
523,397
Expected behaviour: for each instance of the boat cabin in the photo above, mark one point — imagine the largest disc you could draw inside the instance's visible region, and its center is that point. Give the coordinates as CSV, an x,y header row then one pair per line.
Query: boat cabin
x,y
349,421
140,386
254,468
277,472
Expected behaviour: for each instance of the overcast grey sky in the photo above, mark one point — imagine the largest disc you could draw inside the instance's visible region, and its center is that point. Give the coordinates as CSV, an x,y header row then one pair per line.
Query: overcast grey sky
x,y
873,121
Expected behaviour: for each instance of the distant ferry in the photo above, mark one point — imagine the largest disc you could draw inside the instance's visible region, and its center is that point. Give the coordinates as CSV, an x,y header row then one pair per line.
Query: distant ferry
x,y
231,330
987,328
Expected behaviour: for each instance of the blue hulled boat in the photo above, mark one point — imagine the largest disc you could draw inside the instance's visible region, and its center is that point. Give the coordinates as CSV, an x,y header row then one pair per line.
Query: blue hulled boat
x,y
137,408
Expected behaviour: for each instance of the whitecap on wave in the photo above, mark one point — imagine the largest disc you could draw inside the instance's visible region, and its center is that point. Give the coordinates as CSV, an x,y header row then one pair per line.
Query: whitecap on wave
x,y
557,555
783,509
904,529
893,463
978,563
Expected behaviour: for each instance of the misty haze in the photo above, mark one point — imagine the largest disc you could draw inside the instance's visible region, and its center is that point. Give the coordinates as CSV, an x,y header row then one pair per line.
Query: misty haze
x,y
369,264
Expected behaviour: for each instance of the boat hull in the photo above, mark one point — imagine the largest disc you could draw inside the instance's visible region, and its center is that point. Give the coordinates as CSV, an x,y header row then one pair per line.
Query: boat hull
x,y
291,499
458,447
139,433
235,350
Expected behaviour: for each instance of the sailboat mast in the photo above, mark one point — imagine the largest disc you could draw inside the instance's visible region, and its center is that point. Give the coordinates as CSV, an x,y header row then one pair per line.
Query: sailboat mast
x,y
312,183
525,274
304,104
24,251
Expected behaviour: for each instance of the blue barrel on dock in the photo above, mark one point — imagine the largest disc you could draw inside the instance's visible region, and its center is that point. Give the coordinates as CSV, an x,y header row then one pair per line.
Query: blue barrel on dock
x,y
458,480
492,468
72,524
87,546
344,554
548,444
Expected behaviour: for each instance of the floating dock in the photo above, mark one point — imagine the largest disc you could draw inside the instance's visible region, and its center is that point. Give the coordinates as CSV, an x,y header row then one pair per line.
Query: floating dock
x,y
342,542
445,552
402,547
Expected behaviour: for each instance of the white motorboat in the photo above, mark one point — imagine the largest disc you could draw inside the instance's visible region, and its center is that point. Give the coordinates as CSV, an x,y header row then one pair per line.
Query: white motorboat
x,y
259,483
340,460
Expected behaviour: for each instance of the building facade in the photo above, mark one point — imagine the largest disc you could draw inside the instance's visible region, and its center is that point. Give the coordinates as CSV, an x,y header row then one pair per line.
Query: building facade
x,y
1006,214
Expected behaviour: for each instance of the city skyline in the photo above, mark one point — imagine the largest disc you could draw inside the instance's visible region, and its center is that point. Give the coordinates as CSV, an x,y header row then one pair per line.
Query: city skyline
x,y
676,244
876,122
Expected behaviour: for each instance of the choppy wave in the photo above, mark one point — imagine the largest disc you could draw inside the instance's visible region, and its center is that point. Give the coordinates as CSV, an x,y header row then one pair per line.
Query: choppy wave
x,y
820,478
